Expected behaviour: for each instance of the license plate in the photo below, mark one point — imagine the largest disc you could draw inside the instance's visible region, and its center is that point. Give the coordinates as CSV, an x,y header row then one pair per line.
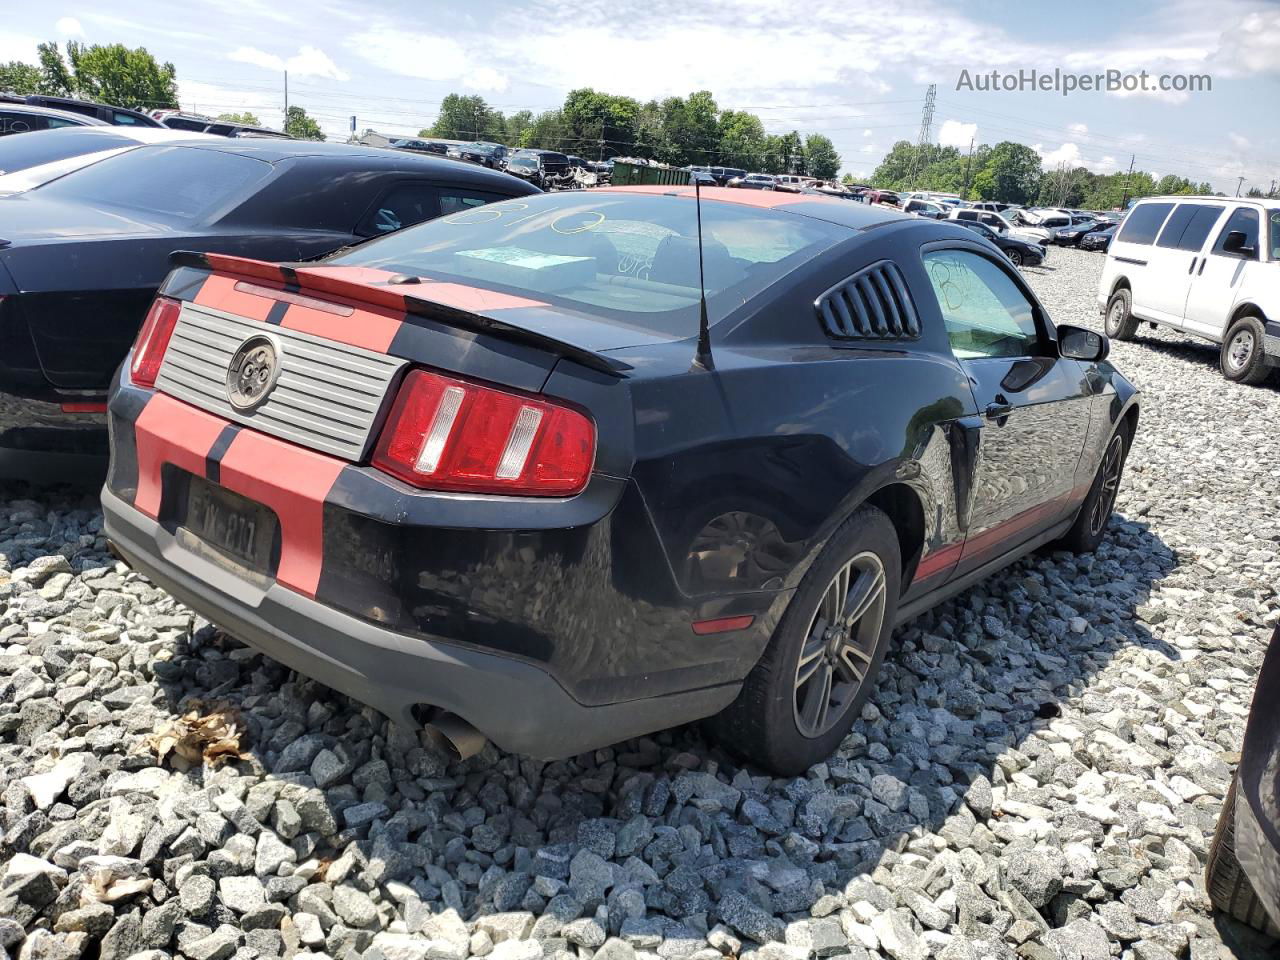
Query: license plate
x,y
234,526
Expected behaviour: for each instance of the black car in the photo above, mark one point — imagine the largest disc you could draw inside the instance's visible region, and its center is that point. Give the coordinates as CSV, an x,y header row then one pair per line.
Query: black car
x,y
116,116
194,123
22,118
1073,235
1023,253
81,257
723,175
491,155
1100,238
438,147
1243,869
543,168
538,503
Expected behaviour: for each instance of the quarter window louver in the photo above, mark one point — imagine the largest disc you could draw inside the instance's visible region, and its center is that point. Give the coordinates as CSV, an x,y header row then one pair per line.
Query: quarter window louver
x,y
873,304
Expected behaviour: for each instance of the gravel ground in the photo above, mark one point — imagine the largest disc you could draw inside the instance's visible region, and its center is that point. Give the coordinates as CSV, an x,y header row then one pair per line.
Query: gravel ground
x,y
1038,775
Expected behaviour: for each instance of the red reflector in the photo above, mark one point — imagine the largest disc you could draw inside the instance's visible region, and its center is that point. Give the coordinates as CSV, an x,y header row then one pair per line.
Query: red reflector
x,y
98,407
153,341
723,625
449,434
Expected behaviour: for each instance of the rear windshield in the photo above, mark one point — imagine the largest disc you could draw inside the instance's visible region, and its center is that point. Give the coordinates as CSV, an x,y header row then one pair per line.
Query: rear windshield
x,y
179,183
48,146
631,258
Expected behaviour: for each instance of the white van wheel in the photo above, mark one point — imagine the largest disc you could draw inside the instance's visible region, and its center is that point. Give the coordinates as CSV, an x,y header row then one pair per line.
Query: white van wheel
x,y
1242,358
1120,323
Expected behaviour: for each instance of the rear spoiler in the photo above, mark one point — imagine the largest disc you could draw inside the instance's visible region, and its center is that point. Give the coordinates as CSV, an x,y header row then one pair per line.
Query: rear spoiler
x,y
398,296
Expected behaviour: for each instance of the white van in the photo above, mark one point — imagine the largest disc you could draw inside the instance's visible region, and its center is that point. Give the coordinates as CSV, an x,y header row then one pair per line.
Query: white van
x,y
1208,266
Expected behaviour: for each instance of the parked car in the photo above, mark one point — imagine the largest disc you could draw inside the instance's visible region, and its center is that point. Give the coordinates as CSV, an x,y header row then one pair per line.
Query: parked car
x,y
994,206
754,181
502,518
27,162
1022,253
115,116
1099,239
723,175
21,118
1001,224
195,123
925,208
886,197
438,147
66,328
491,155
1206,266
543,168
790,182
1242,873
1074,235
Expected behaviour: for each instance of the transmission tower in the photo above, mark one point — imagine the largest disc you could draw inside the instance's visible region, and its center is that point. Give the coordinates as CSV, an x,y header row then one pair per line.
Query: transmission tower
x,y
926,134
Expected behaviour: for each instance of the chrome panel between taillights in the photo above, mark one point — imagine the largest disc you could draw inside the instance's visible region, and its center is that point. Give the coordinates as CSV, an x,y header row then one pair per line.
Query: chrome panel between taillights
x,y
327,395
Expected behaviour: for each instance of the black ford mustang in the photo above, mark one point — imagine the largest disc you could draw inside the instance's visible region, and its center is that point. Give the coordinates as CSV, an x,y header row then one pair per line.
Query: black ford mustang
x,y
81,257
485,475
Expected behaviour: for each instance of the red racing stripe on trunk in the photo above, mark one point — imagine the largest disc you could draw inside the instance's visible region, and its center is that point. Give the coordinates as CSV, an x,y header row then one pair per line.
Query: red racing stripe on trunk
x,y
170,431
219,292
470,298
294,483
364,328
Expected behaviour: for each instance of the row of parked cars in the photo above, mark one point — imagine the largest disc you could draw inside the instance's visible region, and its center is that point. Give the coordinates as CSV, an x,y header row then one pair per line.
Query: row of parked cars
x,y
348,389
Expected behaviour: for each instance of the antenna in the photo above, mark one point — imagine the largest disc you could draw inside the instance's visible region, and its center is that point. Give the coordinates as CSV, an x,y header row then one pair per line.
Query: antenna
x,y
703,356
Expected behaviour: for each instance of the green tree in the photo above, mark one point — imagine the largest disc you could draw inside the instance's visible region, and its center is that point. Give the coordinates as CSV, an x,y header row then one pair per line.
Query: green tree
x,y
895,167
515,126
742,139
1010,173
250,119
547,132
691,128
783,154
55,77
467,118
820,156
121,76
599,123
19,77
298,124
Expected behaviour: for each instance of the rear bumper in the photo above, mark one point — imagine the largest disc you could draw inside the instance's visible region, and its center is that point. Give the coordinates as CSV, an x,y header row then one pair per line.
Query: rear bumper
x,y
516,704
1271,342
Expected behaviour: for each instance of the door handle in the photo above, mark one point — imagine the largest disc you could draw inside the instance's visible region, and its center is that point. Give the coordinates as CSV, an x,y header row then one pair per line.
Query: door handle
x,y
1191,269
999,408
1203,261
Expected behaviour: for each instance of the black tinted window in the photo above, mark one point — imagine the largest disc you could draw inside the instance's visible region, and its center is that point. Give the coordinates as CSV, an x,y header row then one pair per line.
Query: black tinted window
x,y
181,123
402,206
1243,220
18,153
177,182
1143,222
20,122
1188,225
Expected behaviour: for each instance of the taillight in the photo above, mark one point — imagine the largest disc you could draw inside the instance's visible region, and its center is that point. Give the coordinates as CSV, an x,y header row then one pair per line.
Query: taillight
x,y
448,434
153,340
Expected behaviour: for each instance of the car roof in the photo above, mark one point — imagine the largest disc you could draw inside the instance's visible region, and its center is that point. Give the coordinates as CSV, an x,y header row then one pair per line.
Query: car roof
x,y
856,216
273,150
1181,197
145,134
28,108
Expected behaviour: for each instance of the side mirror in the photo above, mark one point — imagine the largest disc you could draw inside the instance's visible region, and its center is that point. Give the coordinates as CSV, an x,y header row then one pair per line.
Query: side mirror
x,y
1077,343
1237,243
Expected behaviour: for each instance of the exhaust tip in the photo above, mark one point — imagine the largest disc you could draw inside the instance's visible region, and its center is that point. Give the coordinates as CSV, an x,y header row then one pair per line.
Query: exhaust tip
x,y
454,736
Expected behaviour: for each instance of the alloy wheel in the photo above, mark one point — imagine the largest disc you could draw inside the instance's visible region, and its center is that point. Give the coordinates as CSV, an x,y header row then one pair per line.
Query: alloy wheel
x,y
840,644
1112,467
1240,351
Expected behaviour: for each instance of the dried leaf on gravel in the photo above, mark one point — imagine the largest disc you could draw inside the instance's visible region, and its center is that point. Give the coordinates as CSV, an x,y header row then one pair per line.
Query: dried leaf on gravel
x,y
206,733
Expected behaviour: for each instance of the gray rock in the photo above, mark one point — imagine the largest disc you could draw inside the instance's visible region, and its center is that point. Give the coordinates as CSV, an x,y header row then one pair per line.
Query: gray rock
x,y
1079,940
748,919
354,906
242,894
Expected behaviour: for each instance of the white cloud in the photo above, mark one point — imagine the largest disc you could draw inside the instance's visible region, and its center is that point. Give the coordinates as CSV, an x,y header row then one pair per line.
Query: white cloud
x,y
307,62
953,133
1237,141
18,46
866,133
1252,45
1080,129
1069,155
212,99
69,27
428,57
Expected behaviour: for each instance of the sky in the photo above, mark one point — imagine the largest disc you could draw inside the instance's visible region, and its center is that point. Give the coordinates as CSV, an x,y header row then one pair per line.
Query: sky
x,y
857,73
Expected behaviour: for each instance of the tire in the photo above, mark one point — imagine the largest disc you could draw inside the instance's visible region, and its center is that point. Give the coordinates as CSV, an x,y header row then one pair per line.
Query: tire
x,y
785,723
1241,358
1015,257
1229,888
1120,323
1095,513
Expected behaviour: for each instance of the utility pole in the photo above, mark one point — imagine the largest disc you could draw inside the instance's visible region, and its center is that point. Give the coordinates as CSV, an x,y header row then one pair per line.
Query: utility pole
x,y
286,101
1127,177
1239,184
964,193
600,151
